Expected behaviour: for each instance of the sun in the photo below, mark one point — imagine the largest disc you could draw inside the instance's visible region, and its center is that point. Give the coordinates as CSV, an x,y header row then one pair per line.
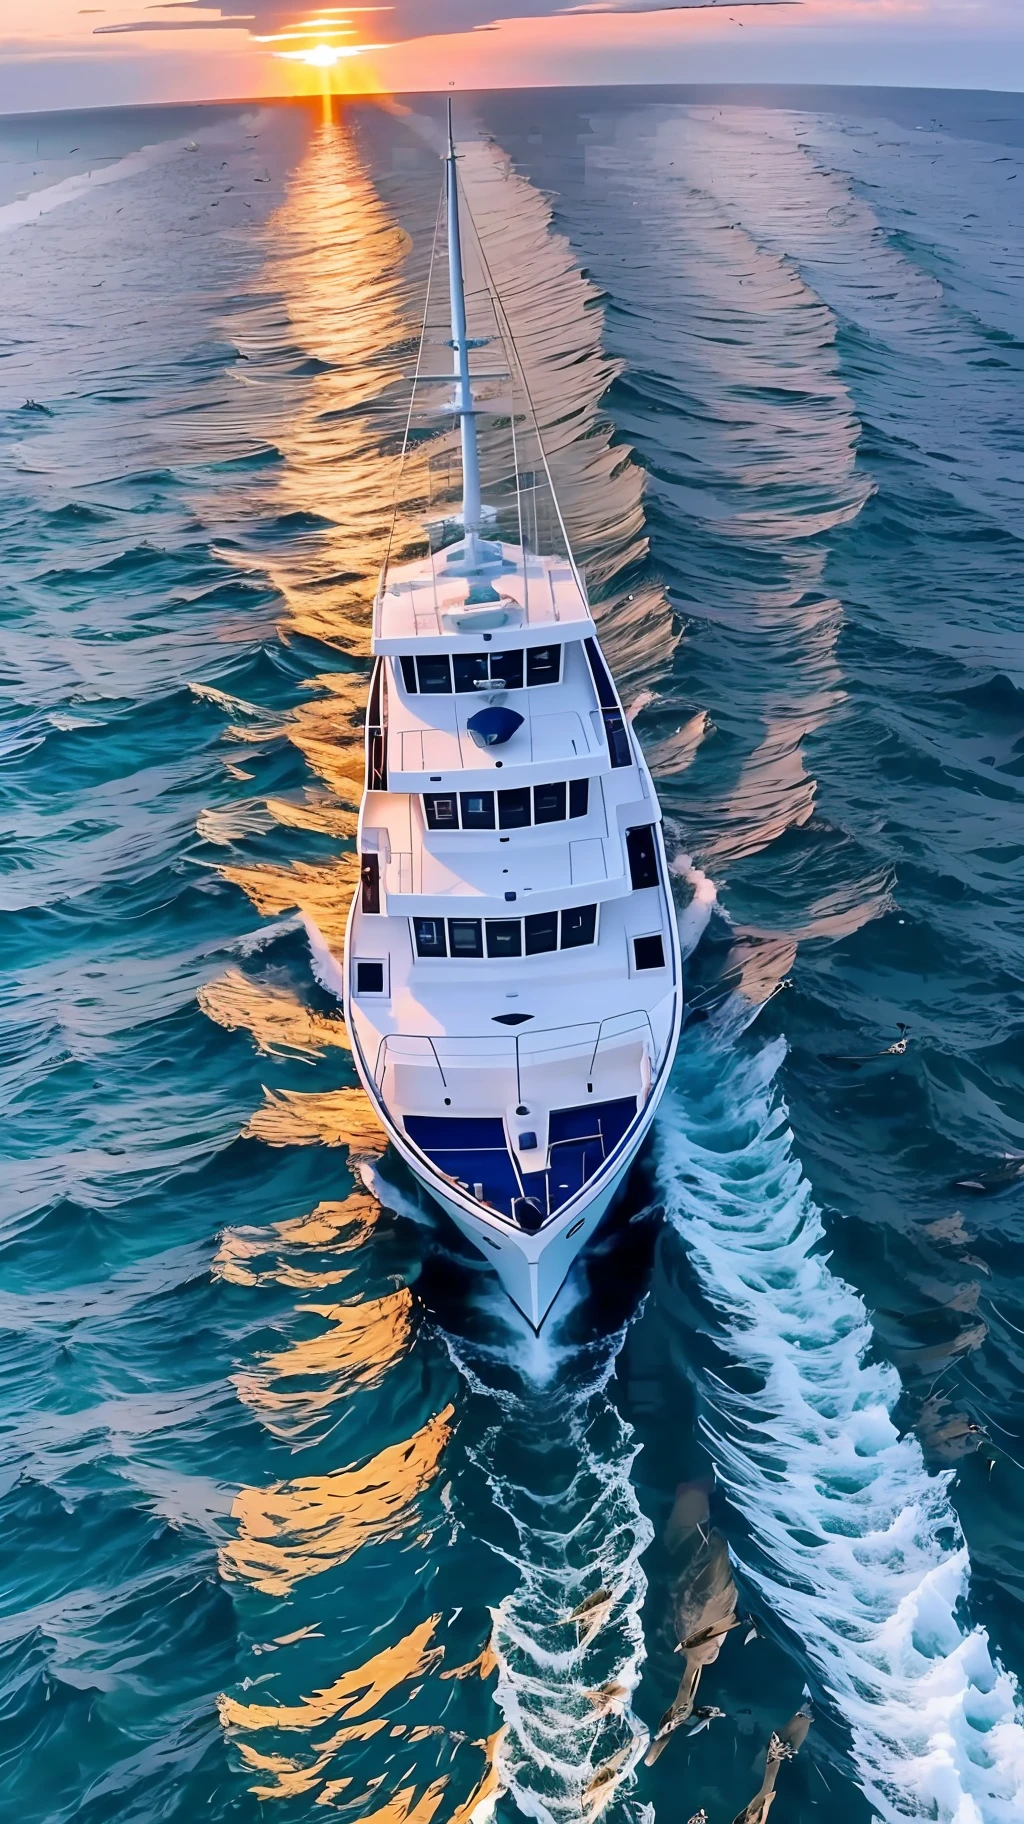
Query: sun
x,y
317,43
323,56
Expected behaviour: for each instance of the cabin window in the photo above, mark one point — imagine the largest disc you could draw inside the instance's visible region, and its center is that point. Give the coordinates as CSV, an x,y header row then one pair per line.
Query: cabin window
x,y
535,935
435,675
487,671
543,664
578,926
429,935
549,803
642,851
442,812
477,810
504,937
579,793
649,952
369,875
507,670
602,682
615,731
470,669
467,672
369,978
464,937
377,733
619,750
514,809
541,933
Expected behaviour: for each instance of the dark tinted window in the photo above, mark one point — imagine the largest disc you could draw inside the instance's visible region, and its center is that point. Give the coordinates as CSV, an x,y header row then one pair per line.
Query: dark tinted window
x,y
477,810
377,760
578,926
474,670
579,794
542,664
602,682
369,978
470,669
504,937
435,675
507,669
643,857
649,952
369,874
549,803
514,809
619,750
464,937
442,811
541,933
429,935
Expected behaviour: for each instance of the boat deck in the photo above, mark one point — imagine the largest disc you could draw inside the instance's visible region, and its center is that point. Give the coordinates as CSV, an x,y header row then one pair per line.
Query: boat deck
x,y
513,986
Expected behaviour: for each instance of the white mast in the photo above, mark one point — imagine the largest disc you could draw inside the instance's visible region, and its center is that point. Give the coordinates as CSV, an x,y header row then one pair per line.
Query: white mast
x,y
460,344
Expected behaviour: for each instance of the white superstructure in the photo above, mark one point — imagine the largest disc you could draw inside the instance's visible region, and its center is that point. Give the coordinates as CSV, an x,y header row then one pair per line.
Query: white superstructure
x,y
513,978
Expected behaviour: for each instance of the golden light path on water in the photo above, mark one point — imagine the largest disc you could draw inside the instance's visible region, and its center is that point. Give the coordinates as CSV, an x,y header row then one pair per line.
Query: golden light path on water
x,y
331,304
301,1528
329,335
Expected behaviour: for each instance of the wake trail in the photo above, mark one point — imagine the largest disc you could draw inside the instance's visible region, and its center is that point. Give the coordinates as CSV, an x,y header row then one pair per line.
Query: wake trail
x,y
858,1547
40,202
557,1457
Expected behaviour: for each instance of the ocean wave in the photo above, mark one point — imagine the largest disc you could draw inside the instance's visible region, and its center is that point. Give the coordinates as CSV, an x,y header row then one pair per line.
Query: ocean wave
x,y
857,1547
38,203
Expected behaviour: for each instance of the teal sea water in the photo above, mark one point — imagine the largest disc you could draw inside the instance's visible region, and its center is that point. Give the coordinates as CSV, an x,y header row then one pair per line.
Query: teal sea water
x,y
294,1510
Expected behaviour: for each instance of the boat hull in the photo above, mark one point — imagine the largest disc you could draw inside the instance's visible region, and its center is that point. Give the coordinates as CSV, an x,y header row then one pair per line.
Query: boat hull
x,y
533,1269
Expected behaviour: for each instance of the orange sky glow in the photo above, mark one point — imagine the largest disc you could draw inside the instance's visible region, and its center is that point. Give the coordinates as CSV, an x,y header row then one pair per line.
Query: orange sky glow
x,y
159,55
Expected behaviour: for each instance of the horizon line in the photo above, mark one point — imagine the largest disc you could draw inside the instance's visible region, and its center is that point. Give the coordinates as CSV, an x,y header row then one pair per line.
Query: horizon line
x,y
371,97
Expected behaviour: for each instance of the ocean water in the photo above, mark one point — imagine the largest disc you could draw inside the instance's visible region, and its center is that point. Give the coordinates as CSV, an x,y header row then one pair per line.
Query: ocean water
x,y
295,1510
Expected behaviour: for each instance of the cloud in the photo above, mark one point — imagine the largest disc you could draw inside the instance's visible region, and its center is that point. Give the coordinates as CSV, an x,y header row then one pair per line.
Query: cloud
x,y
169,25
403,19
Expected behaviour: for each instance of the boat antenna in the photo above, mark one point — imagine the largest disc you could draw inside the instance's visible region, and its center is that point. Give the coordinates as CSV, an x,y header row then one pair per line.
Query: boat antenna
x,y
464,406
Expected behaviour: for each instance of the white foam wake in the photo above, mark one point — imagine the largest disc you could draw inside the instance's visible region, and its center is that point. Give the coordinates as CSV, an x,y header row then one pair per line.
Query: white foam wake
x,y
863,1556
558,1460
325,966
693,920
69,189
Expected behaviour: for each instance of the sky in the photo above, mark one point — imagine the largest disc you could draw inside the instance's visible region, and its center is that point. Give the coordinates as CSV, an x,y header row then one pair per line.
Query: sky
x,y
60,54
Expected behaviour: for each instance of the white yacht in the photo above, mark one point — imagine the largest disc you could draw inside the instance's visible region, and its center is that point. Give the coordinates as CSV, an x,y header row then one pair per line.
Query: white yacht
x,y
513,981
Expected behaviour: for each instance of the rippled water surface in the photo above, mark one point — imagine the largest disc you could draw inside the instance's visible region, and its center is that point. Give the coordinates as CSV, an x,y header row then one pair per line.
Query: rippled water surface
x,y
295,1510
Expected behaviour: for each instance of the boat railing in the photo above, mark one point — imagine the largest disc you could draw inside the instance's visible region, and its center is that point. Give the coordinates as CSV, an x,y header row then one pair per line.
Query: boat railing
x,y
522,1055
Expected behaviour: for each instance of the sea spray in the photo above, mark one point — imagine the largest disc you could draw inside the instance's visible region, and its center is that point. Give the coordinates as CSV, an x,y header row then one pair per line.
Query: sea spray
x,y
694,918
856,1546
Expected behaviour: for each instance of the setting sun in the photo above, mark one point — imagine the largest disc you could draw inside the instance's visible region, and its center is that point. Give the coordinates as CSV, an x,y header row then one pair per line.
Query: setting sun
x,y
325,28
322,56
